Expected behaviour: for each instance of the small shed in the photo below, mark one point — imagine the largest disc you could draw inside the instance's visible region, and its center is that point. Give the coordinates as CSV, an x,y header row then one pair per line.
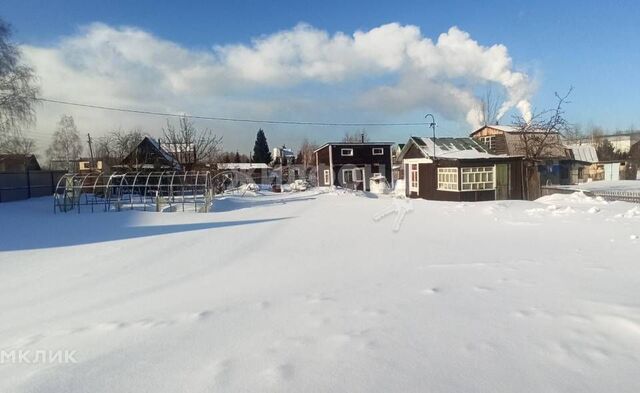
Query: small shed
x,y
18,163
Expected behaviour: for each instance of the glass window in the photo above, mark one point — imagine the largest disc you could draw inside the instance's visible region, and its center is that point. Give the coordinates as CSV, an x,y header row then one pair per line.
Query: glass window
x,y
378,151
347,176
489,141
413,171
346,152
448,179
478,178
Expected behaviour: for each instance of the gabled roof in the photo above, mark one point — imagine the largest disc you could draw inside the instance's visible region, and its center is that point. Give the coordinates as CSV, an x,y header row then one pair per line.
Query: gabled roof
x,y
288,152
353,144
507,129
165,154
449,148
153,147
18,162
586,153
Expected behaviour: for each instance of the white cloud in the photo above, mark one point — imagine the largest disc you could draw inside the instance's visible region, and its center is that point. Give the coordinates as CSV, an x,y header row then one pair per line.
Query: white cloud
x,y
128,67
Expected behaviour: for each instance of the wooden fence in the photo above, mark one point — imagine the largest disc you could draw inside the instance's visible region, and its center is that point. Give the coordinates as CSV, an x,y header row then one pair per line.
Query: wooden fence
x,y
15,186
626,196
608,195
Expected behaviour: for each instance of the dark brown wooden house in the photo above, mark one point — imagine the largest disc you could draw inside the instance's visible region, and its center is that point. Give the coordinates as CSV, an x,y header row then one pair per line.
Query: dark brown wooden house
x,y
351,164
554,164
459,169
150,155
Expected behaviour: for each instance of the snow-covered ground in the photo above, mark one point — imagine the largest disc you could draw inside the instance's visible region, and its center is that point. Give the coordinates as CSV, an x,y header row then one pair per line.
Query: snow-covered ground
x,y
307,293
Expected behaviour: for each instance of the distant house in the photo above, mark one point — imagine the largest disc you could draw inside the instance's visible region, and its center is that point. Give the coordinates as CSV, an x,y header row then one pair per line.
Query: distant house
x,y
584,167
398,169
18,163
622,142
507,140
150,155
241,166
459,169
283,153
352,164
555,164
244,172
80,165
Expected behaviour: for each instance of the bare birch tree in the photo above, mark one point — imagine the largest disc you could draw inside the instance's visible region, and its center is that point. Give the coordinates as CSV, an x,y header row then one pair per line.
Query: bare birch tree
x,y
14,142
18,92
490,103
66,144
356,137
189,144
117,144
541,137
306,156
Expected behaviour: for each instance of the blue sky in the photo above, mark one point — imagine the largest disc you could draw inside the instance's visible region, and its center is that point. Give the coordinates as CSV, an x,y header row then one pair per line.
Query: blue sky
x,y
593,46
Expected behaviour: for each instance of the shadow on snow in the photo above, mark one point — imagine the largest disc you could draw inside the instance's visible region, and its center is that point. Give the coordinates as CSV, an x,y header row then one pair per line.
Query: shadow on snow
x,y
114,228
229,204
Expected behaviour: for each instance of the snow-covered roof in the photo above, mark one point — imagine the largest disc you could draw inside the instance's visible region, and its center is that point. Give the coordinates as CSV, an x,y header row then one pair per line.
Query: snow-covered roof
x,y
455,148
508,129
288,153
353,144
242,165
503,128
283,151
586,153
165,154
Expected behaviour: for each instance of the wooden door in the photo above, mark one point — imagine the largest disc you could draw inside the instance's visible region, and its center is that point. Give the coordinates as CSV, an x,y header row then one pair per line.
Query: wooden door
x,y
359,178
502,181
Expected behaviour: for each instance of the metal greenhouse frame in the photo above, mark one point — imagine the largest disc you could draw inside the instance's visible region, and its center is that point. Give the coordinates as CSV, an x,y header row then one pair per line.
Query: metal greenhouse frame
x,y
159,191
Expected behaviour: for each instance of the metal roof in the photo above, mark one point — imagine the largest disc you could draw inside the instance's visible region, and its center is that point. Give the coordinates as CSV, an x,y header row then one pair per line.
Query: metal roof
x,y
586,153
353,144
455,148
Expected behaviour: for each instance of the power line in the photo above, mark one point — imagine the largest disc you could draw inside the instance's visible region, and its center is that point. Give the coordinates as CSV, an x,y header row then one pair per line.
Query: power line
x,y
229,119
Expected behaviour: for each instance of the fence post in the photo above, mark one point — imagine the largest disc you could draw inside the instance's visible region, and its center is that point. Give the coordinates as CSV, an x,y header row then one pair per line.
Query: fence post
x,y
28,184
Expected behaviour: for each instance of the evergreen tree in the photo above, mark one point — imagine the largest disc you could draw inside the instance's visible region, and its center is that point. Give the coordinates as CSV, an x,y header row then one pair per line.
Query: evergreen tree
x,y
605,151
236,158
261,153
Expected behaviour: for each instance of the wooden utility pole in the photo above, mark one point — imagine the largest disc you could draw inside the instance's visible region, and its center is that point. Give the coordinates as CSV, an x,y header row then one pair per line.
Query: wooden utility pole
x,y
90,152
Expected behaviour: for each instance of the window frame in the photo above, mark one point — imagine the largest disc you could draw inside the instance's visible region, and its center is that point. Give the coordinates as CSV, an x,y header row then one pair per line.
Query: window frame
x,y
413,171
489,141
488,184
353,177
373,151
343,149
448,179
327,177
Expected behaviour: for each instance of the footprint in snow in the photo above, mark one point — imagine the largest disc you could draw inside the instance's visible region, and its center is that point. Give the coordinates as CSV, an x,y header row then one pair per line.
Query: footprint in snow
x,y
281,373
203,315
